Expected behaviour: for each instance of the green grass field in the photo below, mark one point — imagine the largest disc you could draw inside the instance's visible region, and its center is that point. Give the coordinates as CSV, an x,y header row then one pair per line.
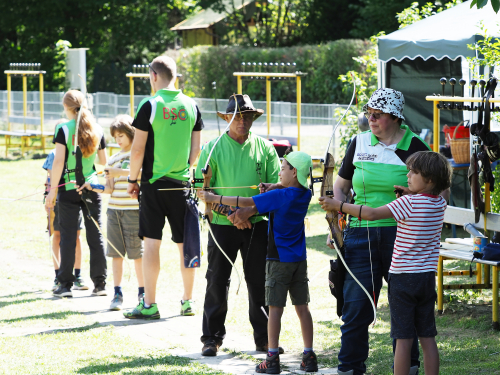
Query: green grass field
x,y
466,341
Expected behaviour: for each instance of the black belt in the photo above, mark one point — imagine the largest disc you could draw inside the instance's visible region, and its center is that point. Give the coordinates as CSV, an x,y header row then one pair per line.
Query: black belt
x,y
186,184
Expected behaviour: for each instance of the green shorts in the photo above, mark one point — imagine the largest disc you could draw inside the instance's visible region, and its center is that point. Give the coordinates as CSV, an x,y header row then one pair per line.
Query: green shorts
x,y
282,278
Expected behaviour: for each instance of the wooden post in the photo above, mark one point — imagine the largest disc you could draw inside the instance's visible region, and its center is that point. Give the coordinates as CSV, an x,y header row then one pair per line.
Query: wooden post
x,y
440,285
239,86
299,110
41,112
131,85
496,324
437,127
25,100
268,105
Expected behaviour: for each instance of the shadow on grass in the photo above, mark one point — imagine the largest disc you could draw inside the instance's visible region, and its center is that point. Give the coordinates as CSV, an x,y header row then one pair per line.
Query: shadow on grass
x,y
68,330
18,294
51,316
137,365
19,301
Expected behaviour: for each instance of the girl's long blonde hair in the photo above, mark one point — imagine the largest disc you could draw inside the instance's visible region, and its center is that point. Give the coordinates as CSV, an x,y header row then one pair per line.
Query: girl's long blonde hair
x,y
87,137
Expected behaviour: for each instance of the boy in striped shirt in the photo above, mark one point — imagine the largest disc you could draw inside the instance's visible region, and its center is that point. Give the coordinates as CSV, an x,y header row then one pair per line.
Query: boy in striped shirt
x,y
419,213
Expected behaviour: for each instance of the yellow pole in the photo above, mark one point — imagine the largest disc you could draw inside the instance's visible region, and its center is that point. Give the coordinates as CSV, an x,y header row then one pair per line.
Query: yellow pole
x,y
436,127
239,87
299,110
25,99
495,298
131,84
41,112
440,285
268,105
9,90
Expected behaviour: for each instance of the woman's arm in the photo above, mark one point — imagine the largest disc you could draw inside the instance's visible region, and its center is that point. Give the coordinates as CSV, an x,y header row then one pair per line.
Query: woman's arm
x,y
57,170
341,188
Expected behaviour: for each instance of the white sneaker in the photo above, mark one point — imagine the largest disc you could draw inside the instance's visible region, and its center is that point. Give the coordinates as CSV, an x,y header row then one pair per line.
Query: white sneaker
x,y
116,303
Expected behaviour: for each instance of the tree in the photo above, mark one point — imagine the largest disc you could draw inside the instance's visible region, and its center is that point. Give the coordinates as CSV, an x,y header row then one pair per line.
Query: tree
x,y
118,33
482,3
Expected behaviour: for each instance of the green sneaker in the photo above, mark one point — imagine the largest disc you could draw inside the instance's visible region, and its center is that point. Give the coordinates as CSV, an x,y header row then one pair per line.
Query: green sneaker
x,y
187,308
140,312
79,284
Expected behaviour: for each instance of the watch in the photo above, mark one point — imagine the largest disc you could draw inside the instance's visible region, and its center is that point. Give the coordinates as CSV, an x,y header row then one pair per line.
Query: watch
x,y
131,181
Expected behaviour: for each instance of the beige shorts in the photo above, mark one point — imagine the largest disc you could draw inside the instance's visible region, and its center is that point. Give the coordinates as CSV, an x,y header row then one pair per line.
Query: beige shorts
x,y
123,233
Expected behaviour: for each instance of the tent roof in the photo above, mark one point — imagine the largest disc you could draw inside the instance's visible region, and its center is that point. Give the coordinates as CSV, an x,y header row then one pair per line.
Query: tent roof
x,y
445,34
208,17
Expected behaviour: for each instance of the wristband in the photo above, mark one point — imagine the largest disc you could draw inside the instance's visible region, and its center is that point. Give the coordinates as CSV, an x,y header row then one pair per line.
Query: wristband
x,y
359,217
131,181
221,200
97,186
341,205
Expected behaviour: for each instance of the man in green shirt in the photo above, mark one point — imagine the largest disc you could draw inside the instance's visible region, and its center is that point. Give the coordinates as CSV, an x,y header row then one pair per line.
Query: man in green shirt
x,y
167,141
238,158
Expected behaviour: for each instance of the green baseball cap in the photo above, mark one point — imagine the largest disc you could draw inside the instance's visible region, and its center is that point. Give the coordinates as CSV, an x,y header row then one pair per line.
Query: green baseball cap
x,y
303,163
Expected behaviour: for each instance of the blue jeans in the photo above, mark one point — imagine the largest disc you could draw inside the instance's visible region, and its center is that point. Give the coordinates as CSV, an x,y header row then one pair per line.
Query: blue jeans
x,y
357,313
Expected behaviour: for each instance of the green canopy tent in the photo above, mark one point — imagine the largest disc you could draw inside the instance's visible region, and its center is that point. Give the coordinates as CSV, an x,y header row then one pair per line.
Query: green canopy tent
x,y
414,58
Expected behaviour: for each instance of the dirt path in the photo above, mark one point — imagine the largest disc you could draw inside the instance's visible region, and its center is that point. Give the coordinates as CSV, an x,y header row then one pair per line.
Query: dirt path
x,y
179,335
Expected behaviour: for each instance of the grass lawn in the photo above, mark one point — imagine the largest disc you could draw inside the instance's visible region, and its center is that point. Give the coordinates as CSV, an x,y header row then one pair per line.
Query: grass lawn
x,y
466,341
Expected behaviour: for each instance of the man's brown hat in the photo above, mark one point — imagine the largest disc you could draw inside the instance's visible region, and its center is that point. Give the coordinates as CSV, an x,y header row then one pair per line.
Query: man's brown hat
x,y
243,104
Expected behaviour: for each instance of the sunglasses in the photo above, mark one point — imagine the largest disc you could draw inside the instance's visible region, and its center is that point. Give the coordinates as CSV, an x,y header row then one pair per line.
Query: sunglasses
x,y
376,116
246,117
154,71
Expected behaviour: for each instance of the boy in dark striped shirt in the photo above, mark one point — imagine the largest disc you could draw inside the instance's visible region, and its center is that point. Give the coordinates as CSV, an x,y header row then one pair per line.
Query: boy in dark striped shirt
x,y
419,212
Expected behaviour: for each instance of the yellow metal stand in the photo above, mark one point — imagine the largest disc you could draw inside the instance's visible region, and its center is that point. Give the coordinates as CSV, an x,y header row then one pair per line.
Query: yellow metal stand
x,y
132,76
25,136
487,199
268,76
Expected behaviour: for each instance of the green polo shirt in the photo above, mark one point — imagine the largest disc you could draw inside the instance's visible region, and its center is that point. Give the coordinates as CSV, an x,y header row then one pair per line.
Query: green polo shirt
x,y
375,168
235,164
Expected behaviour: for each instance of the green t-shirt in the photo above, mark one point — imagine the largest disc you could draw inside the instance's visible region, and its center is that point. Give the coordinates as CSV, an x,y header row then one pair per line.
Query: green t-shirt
x,y
65,132
169,117
375,168
235,164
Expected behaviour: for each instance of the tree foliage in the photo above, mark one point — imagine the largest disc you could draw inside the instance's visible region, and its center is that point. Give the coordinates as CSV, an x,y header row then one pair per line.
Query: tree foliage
x,y
118,33
482,3
200,66
413,14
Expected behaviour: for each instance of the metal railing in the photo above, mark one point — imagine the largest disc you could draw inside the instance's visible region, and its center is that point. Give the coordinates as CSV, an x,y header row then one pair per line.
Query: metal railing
x,y
317,119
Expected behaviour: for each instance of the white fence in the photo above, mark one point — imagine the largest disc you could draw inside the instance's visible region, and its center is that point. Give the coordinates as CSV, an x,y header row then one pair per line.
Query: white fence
x,y
317,119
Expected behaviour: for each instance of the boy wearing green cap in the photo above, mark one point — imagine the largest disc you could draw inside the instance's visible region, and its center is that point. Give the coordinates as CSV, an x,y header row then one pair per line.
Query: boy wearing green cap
x,y
286,268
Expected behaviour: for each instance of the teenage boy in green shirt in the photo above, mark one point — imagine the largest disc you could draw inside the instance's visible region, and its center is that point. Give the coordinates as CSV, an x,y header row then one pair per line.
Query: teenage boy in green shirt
x,y
239,158
167,141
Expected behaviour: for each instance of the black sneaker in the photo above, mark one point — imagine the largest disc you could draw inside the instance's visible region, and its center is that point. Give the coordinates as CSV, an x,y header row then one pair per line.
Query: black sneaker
x,y
100,290
270,366
62,291
309,362
209,349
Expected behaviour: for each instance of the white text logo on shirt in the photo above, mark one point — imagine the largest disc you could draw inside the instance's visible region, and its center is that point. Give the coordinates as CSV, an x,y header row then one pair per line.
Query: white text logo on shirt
x,y
365,156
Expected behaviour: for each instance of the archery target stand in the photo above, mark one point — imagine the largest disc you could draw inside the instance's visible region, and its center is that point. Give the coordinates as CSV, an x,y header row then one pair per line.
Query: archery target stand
x,y
277,76
24,70
141,72
494,284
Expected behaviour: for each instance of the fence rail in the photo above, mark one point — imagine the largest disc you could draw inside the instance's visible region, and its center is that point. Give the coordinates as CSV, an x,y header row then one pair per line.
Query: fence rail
x,y
317,120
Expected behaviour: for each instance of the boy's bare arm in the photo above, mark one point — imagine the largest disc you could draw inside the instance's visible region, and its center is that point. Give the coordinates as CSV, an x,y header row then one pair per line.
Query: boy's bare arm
x,y
367,213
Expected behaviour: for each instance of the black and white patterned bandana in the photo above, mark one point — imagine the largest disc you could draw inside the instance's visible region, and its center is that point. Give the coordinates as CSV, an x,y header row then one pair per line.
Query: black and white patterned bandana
x,y
388,101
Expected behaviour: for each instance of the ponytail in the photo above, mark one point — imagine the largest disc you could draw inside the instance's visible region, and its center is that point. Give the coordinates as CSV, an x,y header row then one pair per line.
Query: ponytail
x,y
87,137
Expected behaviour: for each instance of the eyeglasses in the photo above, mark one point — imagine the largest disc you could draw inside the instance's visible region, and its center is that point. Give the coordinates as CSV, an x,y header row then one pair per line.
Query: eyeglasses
x,y
376,116
154,71
246,117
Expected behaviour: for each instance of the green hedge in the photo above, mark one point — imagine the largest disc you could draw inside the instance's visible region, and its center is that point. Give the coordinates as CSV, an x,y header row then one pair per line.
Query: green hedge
x,y
202,65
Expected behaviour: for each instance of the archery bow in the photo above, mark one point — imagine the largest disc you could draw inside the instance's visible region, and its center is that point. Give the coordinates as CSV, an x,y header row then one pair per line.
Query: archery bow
x,y
80,177
332,218
207,176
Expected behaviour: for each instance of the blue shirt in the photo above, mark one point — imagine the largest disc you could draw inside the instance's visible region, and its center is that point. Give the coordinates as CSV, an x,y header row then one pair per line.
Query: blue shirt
x,y
288,209
49,160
